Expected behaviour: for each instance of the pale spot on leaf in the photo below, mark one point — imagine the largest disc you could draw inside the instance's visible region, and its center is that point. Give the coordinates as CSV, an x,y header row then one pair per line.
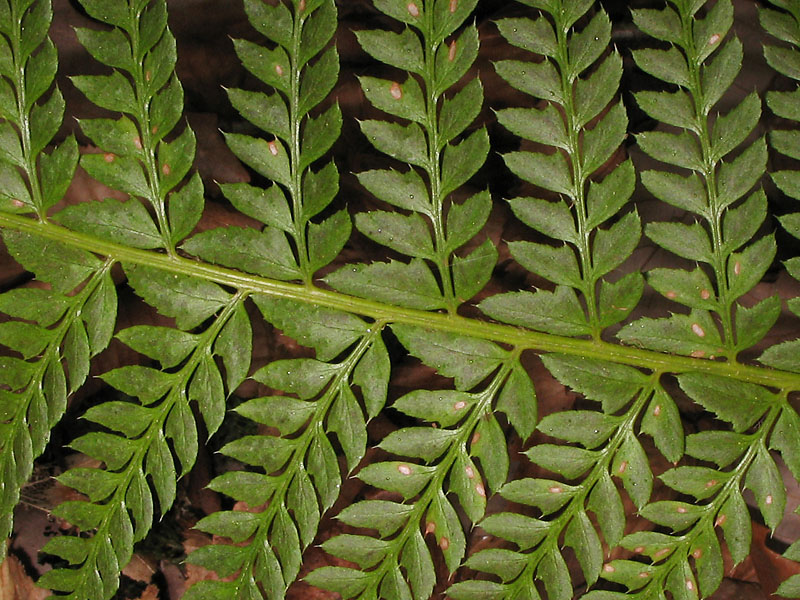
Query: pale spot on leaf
x,y
698,331
404,469
413,9
396,91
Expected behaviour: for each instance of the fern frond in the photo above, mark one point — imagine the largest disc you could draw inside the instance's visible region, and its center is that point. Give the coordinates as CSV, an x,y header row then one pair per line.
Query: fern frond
x,y
298,471
300,474
55,360
786,27
742,460
610,448
582,127
33,181
300,81
312,417
52,330
120,507
464,431
136,158
704,67
434,142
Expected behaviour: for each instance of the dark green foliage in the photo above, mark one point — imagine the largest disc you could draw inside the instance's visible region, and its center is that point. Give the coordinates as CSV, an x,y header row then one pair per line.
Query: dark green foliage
x,y
584,201
435,143
450,450
708,64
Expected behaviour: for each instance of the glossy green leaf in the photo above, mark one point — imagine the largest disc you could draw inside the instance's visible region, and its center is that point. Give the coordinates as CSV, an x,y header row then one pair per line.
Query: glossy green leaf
x,y
488,445
663,421
581,536
403,142
545,494
401,99
346,419
784,438
557,312
384,516
740,404
606,503
404,190
427,443
405,478
412,285
695,334
121,222
524,531
189,300
401,50
613,385
766,483
465,359
630,465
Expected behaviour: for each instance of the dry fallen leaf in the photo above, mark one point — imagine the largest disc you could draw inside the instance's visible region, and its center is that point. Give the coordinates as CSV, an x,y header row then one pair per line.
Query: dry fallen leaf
x,y
16,584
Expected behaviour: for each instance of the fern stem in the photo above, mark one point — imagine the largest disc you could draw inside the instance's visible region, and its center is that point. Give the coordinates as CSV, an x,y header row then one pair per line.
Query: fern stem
x,y
296,174
513,336
140,78
23,115
714,216
579,178
434,166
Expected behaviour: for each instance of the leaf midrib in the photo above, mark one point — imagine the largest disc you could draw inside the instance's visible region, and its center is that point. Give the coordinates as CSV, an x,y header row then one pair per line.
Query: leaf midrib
x,y
506,334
